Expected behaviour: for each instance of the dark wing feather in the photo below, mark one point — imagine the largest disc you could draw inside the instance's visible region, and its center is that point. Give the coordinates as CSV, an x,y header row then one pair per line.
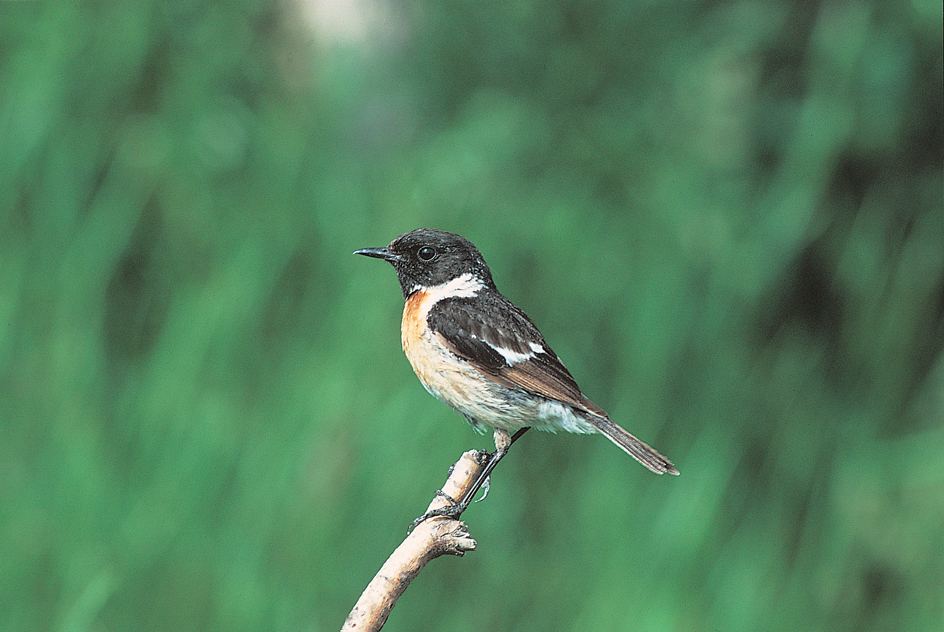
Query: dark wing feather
x,y
475,327
462,333
546,375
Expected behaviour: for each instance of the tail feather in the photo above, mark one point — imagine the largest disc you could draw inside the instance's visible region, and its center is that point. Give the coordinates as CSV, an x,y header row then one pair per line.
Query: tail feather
x,y
632,446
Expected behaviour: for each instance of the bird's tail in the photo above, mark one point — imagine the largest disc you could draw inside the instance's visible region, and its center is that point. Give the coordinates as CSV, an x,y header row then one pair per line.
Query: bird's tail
x,y
632,446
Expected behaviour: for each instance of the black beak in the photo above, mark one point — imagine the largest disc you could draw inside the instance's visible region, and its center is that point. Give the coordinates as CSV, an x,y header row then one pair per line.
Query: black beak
x,y
379,253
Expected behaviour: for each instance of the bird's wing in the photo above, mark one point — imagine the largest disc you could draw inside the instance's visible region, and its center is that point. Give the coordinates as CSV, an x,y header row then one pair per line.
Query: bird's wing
x,y
499,339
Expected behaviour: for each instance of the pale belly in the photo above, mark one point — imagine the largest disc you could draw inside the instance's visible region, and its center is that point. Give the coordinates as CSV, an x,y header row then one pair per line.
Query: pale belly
x,y
483,402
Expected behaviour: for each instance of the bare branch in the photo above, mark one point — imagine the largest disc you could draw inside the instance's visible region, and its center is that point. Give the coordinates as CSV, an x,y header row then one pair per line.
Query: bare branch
x,y
431,538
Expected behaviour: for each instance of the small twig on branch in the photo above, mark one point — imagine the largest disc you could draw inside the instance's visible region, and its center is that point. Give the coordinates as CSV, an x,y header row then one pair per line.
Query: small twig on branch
x,y
431,538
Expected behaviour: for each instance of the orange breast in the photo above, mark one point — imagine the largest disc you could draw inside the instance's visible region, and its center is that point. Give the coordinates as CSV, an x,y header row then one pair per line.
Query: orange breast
x,y
438,370
415,337
413,325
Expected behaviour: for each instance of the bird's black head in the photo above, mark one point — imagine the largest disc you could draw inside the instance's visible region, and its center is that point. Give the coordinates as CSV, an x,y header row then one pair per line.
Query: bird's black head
x,y
426,258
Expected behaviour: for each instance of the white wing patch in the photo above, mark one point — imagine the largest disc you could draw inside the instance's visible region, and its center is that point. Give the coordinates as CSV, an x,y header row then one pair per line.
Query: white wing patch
x,y
513,357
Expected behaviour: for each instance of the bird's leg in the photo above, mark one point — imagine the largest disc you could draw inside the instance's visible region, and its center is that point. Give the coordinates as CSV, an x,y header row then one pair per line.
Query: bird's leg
x,y
518,434
503,442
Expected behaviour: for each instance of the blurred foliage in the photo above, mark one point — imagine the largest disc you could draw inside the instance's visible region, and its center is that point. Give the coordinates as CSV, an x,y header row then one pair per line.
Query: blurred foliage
x,y
726,217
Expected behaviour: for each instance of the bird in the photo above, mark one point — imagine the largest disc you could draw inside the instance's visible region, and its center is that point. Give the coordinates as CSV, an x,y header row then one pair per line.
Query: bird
x,y
480,354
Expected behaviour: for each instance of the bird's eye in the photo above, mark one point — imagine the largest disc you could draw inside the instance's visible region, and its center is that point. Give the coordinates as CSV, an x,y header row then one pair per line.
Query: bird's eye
x,y
426,253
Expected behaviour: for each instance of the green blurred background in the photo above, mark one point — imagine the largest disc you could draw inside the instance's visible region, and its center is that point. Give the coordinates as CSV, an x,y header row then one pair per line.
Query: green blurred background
x,y
726,217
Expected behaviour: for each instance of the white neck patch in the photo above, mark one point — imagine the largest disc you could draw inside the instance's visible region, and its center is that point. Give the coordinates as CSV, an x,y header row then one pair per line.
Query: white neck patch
x,y
462,286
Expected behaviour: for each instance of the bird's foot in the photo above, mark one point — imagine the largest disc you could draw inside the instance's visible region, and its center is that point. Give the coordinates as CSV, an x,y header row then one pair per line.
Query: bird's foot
x,y
452,510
